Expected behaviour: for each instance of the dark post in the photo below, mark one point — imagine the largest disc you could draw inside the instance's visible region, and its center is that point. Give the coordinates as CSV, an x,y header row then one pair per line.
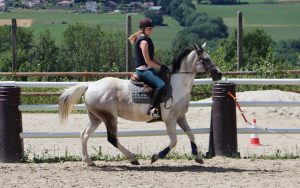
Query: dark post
x,y
239,40
223,131
11,145
14,43
129,66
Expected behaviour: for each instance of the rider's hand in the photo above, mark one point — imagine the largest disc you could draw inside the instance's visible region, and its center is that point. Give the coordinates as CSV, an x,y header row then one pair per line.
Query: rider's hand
x,y
164,68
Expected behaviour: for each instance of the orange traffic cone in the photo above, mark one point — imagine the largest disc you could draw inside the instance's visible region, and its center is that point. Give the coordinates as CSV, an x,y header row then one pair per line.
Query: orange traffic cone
x,y
254,140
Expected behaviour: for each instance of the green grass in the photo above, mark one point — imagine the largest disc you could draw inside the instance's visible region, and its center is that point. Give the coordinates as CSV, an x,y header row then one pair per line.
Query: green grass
x,y
278,155
281,21
99,156
57,20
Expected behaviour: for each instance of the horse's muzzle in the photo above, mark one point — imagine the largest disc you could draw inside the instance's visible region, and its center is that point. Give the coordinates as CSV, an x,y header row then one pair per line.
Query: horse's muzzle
x,y
216,74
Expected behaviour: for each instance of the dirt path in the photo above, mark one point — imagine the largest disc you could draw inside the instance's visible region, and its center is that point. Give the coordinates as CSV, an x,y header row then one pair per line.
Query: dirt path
x,y
216,172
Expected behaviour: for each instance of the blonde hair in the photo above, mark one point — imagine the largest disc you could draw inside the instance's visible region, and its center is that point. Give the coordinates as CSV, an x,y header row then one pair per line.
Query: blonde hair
x,y
134,36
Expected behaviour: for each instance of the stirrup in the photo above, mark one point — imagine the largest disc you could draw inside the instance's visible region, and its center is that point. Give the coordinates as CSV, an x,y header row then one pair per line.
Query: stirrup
x,y
154,113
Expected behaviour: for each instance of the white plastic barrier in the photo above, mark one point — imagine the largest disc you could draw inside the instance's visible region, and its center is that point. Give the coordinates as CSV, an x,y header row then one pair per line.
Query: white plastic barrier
x,y
54,107
153,133
206,81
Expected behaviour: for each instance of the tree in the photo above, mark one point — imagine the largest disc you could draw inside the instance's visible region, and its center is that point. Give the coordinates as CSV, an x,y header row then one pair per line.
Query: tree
x,y
207,31
195,18
257,41
164,5
5,38
113,43
287,51
24,43
88,48
81,48
154,16
45,53
257,48
180,9
179,44
5,61
224,2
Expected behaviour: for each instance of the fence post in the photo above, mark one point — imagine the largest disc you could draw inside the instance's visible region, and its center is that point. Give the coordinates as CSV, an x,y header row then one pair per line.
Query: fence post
x,y
11,144
14,43
129,66
239,40
223,131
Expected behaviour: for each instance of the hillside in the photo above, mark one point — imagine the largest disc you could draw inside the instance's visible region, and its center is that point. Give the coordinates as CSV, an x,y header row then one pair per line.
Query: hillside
x,y
279,20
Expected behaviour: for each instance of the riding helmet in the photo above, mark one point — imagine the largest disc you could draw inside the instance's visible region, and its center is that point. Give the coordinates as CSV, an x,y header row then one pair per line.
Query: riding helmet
x,y
146,22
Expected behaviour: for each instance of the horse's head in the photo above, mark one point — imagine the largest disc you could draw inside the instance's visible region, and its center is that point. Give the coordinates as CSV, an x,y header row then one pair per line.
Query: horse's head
x,y
203,63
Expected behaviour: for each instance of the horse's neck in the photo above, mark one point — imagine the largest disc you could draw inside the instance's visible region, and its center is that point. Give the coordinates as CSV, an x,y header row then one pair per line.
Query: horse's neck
x,y
184,79
182,82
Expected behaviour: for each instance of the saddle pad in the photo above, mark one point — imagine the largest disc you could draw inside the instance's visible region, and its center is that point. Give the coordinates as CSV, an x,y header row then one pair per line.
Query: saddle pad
x,y
138,95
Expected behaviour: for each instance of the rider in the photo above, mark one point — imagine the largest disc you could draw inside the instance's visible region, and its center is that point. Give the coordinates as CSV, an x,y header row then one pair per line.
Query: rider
x,y
145,62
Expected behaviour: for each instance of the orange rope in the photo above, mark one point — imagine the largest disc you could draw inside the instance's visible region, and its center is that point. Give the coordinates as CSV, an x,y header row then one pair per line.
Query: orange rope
x,y
239,107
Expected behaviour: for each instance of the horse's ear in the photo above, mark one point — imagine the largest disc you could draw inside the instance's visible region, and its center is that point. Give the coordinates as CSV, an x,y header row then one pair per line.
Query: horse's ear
x,y
203,45
197,49
195,46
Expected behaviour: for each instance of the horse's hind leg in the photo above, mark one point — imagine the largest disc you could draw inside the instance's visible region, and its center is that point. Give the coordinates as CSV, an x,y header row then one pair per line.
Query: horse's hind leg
x,y
111,126
186,128
85,135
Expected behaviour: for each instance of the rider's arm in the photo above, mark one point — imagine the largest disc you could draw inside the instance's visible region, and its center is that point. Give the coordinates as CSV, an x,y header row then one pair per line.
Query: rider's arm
x,y
144,47
157,61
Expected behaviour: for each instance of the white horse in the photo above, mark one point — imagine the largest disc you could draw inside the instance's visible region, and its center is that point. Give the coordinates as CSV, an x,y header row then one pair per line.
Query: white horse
x,y
110,98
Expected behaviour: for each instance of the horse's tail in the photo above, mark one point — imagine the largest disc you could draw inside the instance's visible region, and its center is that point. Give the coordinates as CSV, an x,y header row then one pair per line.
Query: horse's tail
x,y
67,100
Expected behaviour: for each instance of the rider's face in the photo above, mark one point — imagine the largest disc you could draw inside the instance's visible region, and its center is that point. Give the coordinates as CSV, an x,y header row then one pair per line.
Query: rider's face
x,y
148,30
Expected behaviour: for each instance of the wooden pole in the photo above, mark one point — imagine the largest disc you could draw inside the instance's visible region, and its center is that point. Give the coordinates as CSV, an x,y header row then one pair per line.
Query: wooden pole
x,y
129,66
14,43
239,40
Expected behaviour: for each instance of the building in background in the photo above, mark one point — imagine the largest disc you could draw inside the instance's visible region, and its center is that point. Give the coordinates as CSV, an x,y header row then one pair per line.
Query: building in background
x,y
3,5
91,6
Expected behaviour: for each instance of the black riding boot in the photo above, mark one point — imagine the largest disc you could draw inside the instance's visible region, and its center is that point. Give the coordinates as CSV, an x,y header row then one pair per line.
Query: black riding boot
x,y
153,111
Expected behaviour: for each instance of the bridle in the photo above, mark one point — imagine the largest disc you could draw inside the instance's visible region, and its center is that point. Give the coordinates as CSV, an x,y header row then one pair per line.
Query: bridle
x,y
199,52
200,57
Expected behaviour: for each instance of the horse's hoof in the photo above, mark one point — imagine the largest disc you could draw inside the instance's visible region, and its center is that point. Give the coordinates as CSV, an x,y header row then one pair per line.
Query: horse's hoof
x,y
154,158
199,160
135,162
90,164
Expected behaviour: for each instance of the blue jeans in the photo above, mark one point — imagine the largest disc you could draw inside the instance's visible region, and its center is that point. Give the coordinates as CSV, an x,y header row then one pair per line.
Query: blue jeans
x,y
150,76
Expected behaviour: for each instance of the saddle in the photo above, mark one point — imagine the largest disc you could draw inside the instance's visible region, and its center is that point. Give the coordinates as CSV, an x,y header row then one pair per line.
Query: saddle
x,y
142,92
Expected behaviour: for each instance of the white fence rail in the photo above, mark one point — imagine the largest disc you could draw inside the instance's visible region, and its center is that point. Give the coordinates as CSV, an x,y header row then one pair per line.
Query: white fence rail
x,y
54,107
153,133
238,81
51,107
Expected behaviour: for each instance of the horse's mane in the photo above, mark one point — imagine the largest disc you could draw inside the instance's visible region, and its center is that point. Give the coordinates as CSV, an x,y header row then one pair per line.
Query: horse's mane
x,y
177,60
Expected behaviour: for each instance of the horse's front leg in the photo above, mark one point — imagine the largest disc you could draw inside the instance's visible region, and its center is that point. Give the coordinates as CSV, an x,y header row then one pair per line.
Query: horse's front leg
x,y
182,122
171,129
